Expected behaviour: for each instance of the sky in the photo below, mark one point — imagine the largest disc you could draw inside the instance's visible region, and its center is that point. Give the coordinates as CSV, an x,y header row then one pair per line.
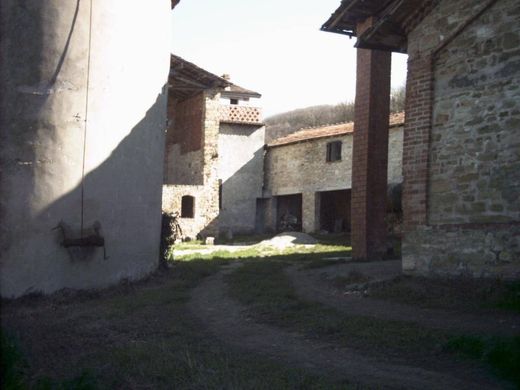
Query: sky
x,y
274,47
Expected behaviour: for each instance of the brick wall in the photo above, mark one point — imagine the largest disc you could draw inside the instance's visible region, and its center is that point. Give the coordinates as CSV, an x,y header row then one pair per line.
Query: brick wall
x,y
370,153
195,173
240,114
462,141
186,123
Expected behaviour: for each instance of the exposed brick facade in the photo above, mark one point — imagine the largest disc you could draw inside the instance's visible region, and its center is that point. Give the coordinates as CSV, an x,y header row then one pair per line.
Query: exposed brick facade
x,y
370,154
462,141
417,139
185,127
194,173
240,114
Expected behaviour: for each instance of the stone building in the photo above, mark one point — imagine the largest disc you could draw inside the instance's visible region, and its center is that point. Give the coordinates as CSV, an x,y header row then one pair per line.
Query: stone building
x,y
308,174
82,121
461,153
214,152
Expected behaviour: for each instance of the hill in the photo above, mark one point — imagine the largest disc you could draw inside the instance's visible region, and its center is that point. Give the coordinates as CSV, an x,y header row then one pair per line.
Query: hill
x,y
283,124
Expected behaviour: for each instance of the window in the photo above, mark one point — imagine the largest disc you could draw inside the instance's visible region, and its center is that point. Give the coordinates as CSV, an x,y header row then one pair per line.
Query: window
x,y
220,194
233,101
334,151
187,207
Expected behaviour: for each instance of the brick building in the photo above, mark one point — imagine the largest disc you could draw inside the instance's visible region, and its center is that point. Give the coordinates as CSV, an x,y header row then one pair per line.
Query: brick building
x,y
320,202
212,150
461,160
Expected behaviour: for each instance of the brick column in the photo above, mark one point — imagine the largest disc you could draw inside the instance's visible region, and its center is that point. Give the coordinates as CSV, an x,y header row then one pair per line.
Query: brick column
x,y
370,154
309,212
418,111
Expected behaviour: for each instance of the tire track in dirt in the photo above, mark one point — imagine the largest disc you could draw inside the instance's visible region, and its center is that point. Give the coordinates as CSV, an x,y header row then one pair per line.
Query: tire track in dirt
x,y
310,286
226,320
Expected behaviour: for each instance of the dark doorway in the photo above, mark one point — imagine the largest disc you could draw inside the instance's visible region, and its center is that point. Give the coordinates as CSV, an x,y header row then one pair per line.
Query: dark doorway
x,y
335,211
289,212
261,208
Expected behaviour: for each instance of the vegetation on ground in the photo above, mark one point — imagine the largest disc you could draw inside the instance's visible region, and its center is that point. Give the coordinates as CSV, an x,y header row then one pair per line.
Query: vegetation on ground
x,y
456,293
267,291
503,355
143,335
138,335
296,252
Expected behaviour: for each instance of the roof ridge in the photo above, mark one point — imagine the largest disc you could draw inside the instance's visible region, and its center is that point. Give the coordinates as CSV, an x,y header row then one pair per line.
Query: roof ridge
x,y
325,125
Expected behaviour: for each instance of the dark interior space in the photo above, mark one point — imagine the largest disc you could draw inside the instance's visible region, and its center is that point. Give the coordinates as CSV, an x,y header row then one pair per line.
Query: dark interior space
x,y
335,211
289,212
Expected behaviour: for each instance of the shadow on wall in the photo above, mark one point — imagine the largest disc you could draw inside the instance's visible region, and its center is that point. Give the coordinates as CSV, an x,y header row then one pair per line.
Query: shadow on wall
x,y
122,196
239,196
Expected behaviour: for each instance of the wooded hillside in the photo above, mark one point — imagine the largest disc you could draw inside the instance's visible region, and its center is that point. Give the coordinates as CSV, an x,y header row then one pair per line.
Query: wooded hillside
x,y
286,123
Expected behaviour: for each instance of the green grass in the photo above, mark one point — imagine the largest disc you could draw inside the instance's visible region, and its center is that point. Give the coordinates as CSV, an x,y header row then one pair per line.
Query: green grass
x,y
12,364
193,244
268,293
138,335
298,252
502,354
15,372
450,293
265,288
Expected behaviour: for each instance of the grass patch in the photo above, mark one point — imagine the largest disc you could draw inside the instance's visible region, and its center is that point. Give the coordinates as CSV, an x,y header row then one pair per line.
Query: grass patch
x,y
293,253
193,244
15,372
450,293
265,288
137,335
502,354
12,364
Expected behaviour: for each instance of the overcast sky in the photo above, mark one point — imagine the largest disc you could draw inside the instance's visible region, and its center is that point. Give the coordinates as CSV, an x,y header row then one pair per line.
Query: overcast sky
x,y
274,47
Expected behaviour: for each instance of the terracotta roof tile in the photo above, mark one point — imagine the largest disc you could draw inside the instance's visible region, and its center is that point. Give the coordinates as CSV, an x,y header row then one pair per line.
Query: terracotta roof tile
x,y
327,131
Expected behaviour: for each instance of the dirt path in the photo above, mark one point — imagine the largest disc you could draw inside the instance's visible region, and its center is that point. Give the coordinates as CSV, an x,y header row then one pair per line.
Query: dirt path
x,y
313,286
226,319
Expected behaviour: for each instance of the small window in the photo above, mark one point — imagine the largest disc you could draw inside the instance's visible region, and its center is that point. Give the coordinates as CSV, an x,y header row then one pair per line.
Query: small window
x,y
334,151
187,207
233,101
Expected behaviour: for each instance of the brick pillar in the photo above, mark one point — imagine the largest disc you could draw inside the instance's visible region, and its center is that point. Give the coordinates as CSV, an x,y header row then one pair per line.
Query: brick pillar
x,y
370,154
418,112
309,212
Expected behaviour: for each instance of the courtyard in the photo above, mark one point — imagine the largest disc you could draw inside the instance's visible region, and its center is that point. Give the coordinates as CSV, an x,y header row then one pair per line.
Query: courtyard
x,y
268,316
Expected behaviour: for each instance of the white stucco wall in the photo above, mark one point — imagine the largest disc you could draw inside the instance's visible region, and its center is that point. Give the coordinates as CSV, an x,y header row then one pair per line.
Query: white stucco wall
x,y
241,155
54,169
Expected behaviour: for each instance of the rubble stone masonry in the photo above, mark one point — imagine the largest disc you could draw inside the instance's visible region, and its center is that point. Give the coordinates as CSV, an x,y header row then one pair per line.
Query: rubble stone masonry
x,y
195,172
462,141
302,167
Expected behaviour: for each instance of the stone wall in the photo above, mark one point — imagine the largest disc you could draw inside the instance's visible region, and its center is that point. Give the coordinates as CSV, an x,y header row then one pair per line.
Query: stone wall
x,y
467,201
302,167
241,164
195,173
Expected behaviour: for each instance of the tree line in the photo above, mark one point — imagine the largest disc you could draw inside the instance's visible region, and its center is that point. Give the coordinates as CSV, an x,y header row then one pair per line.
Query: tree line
x,y
283,124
